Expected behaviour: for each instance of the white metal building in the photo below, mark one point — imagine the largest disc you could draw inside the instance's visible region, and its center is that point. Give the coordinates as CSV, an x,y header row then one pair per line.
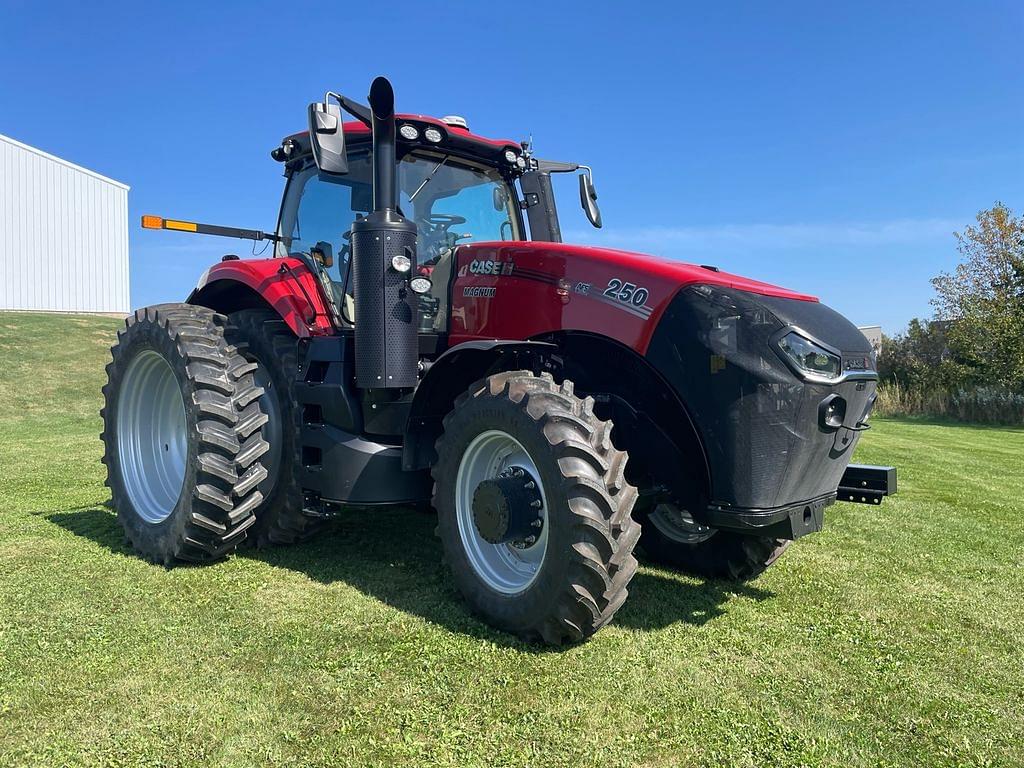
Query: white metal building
x,y
873,333
63,234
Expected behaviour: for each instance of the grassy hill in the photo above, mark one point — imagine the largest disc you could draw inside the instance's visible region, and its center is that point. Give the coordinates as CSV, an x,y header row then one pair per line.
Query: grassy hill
x,y
894,637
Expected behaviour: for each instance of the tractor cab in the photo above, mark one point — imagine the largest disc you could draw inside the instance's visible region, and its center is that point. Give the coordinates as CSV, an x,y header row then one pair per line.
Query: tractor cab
x,y
458,188
453,195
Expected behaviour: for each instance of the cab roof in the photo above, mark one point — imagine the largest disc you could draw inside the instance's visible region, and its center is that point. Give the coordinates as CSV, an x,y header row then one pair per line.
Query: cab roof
x,y
453,137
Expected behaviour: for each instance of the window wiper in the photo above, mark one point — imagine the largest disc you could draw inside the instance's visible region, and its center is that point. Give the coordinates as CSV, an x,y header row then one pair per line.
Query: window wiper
x,y
429,177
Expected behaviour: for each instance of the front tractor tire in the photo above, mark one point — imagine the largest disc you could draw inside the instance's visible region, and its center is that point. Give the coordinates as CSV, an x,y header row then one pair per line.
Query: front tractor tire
x,y
534,512
263,338
181,435
672,538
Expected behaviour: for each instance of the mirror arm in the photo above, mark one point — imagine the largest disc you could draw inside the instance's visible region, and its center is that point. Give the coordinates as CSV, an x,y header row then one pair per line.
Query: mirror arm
x,y
554,166
359,111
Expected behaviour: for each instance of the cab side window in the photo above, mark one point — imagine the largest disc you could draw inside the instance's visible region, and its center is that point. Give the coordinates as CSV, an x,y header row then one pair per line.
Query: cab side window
x,y
320,210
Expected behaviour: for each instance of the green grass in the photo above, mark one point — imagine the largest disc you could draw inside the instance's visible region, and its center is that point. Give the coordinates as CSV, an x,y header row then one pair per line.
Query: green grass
x,y
894,637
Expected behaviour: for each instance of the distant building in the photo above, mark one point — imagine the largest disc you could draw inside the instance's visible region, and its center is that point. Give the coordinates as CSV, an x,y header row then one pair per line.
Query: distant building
x,y
63,234
873,333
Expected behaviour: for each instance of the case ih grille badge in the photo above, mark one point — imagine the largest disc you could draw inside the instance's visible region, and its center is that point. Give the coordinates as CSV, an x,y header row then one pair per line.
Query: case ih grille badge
x,y
489,267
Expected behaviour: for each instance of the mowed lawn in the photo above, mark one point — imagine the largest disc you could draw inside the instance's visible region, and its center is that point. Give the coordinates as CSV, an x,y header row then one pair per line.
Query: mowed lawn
x,y
894,637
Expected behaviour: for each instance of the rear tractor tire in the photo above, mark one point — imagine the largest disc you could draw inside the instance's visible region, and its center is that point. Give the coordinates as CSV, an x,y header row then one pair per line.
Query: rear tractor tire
x,y
181,435
672,538
262,337
534,512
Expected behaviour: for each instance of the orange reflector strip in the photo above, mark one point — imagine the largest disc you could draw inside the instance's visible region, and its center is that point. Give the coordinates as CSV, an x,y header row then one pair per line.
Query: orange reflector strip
x,y
181,226
152,222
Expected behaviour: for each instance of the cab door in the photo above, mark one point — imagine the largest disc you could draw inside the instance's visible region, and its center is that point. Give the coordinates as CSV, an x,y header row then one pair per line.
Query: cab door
x,y
316,218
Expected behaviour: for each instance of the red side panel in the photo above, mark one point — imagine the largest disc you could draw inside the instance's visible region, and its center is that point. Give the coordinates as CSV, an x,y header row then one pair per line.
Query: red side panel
x,y
523,290
294,293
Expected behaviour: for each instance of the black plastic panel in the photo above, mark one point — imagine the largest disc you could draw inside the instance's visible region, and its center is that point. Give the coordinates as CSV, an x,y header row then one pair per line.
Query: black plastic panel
x,y
324,382
790,522
758,420
345,468
338,465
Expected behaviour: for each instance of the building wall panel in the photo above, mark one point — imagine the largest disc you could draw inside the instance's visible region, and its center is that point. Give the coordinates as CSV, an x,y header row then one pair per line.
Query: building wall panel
x,y
63,235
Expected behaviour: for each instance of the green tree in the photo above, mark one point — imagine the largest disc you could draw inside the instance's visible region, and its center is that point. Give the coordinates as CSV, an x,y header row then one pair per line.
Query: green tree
x,y
921,358
983,298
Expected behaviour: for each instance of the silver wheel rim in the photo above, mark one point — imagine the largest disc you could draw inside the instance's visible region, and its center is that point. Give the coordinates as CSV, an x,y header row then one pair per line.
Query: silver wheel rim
x,y
152,439
678,525
505,568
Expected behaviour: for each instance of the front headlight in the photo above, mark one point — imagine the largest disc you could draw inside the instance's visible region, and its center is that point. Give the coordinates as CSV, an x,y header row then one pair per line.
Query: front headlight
x,y
814,361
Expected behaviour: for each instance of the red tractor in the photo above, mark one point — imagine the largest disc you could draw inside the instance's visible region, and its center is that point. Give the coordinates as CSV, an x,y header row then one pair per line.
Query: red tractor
x,y
422,336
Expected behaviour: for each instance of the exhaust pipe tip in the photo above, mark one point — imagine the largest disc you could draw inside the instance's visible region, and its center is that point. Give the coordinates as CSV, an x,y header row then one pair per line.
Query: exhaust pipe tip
x,y
382,98
386,346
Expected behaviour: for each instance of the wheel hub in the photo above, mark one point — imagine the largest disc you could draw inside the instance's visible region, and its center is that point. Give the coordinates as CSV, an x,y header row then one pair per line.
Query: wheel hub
x,y
512,566
508,508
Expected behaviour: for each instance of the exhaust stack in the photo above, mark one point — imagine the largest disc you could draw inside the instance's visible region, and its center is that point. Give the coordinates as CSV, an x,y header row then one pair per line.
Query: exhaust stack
x,y
386,348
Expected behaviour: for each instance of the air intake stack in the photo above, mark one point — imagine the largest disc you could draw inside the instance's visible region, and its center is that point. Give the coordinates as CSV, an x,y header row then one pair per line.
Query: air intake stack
x,y
385,335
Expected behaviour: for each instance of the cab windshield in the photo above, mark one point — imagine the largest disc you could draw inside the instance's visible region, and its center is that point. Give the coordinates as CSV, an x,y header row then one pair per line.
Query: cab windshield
x,y
451,200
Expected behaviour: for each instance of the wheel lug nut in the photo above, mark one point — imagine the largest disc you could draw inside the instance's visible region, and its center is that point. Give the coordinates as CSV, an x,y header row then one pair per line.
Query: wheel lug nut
x,y
537,523
530,485
531,539
535,504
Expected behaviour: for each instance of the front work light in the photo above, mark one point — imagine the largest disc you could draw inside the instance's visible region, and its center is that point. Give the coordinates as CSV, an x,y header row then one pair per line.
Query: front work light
x,y
401,263
432,135
510,156
813,361
420,285
408,131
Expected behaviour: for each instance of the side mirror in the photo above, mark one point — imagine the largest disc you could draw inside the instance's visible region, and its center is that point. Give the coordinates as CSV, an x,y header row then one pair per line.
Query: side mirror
x,y
588,198
327,137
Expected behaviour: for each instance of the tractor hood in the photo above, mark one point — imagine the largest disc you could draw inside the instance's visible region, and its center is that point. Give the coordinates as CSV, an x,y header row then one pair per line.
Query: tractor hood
x,y
714,337
632,265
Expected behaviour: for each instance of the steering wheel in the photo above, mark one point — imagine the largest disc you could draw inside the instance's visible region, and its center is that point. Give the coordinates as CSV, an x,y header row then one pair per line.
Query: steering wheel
x,y
435,228
443,221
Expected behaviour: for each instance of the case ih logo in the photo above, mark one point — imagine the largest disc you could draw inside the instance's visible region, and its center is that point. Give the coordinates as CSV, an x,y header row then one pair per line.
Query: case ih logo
x,y
489,267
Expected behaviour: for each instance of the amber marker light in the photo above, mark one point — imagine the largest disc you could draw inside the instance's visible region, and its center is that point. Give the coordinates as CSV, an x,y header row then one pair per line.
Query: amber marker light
x,y
181,226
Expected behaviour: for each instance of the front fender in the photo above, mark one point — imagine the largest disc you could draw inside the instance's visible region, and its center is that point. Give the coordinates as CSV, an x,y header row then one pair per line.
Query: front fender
x,y
449,376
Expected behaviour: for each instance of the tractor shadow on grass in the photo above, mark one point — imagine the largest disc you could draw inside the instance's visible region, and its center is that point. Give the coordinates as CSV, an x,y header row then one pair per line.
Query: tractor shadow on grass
x,y
393,556
96,522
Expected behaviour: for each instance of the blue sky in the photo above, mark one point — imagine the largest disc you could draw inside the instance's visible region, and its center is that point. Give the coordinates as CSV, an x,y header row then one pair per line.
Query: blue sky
x,y
832,149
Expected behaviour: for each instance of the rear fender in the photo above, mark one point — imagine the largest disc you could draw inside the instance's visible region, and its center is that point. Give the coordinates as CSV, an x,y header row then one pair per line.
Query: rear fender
x,y
285,285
